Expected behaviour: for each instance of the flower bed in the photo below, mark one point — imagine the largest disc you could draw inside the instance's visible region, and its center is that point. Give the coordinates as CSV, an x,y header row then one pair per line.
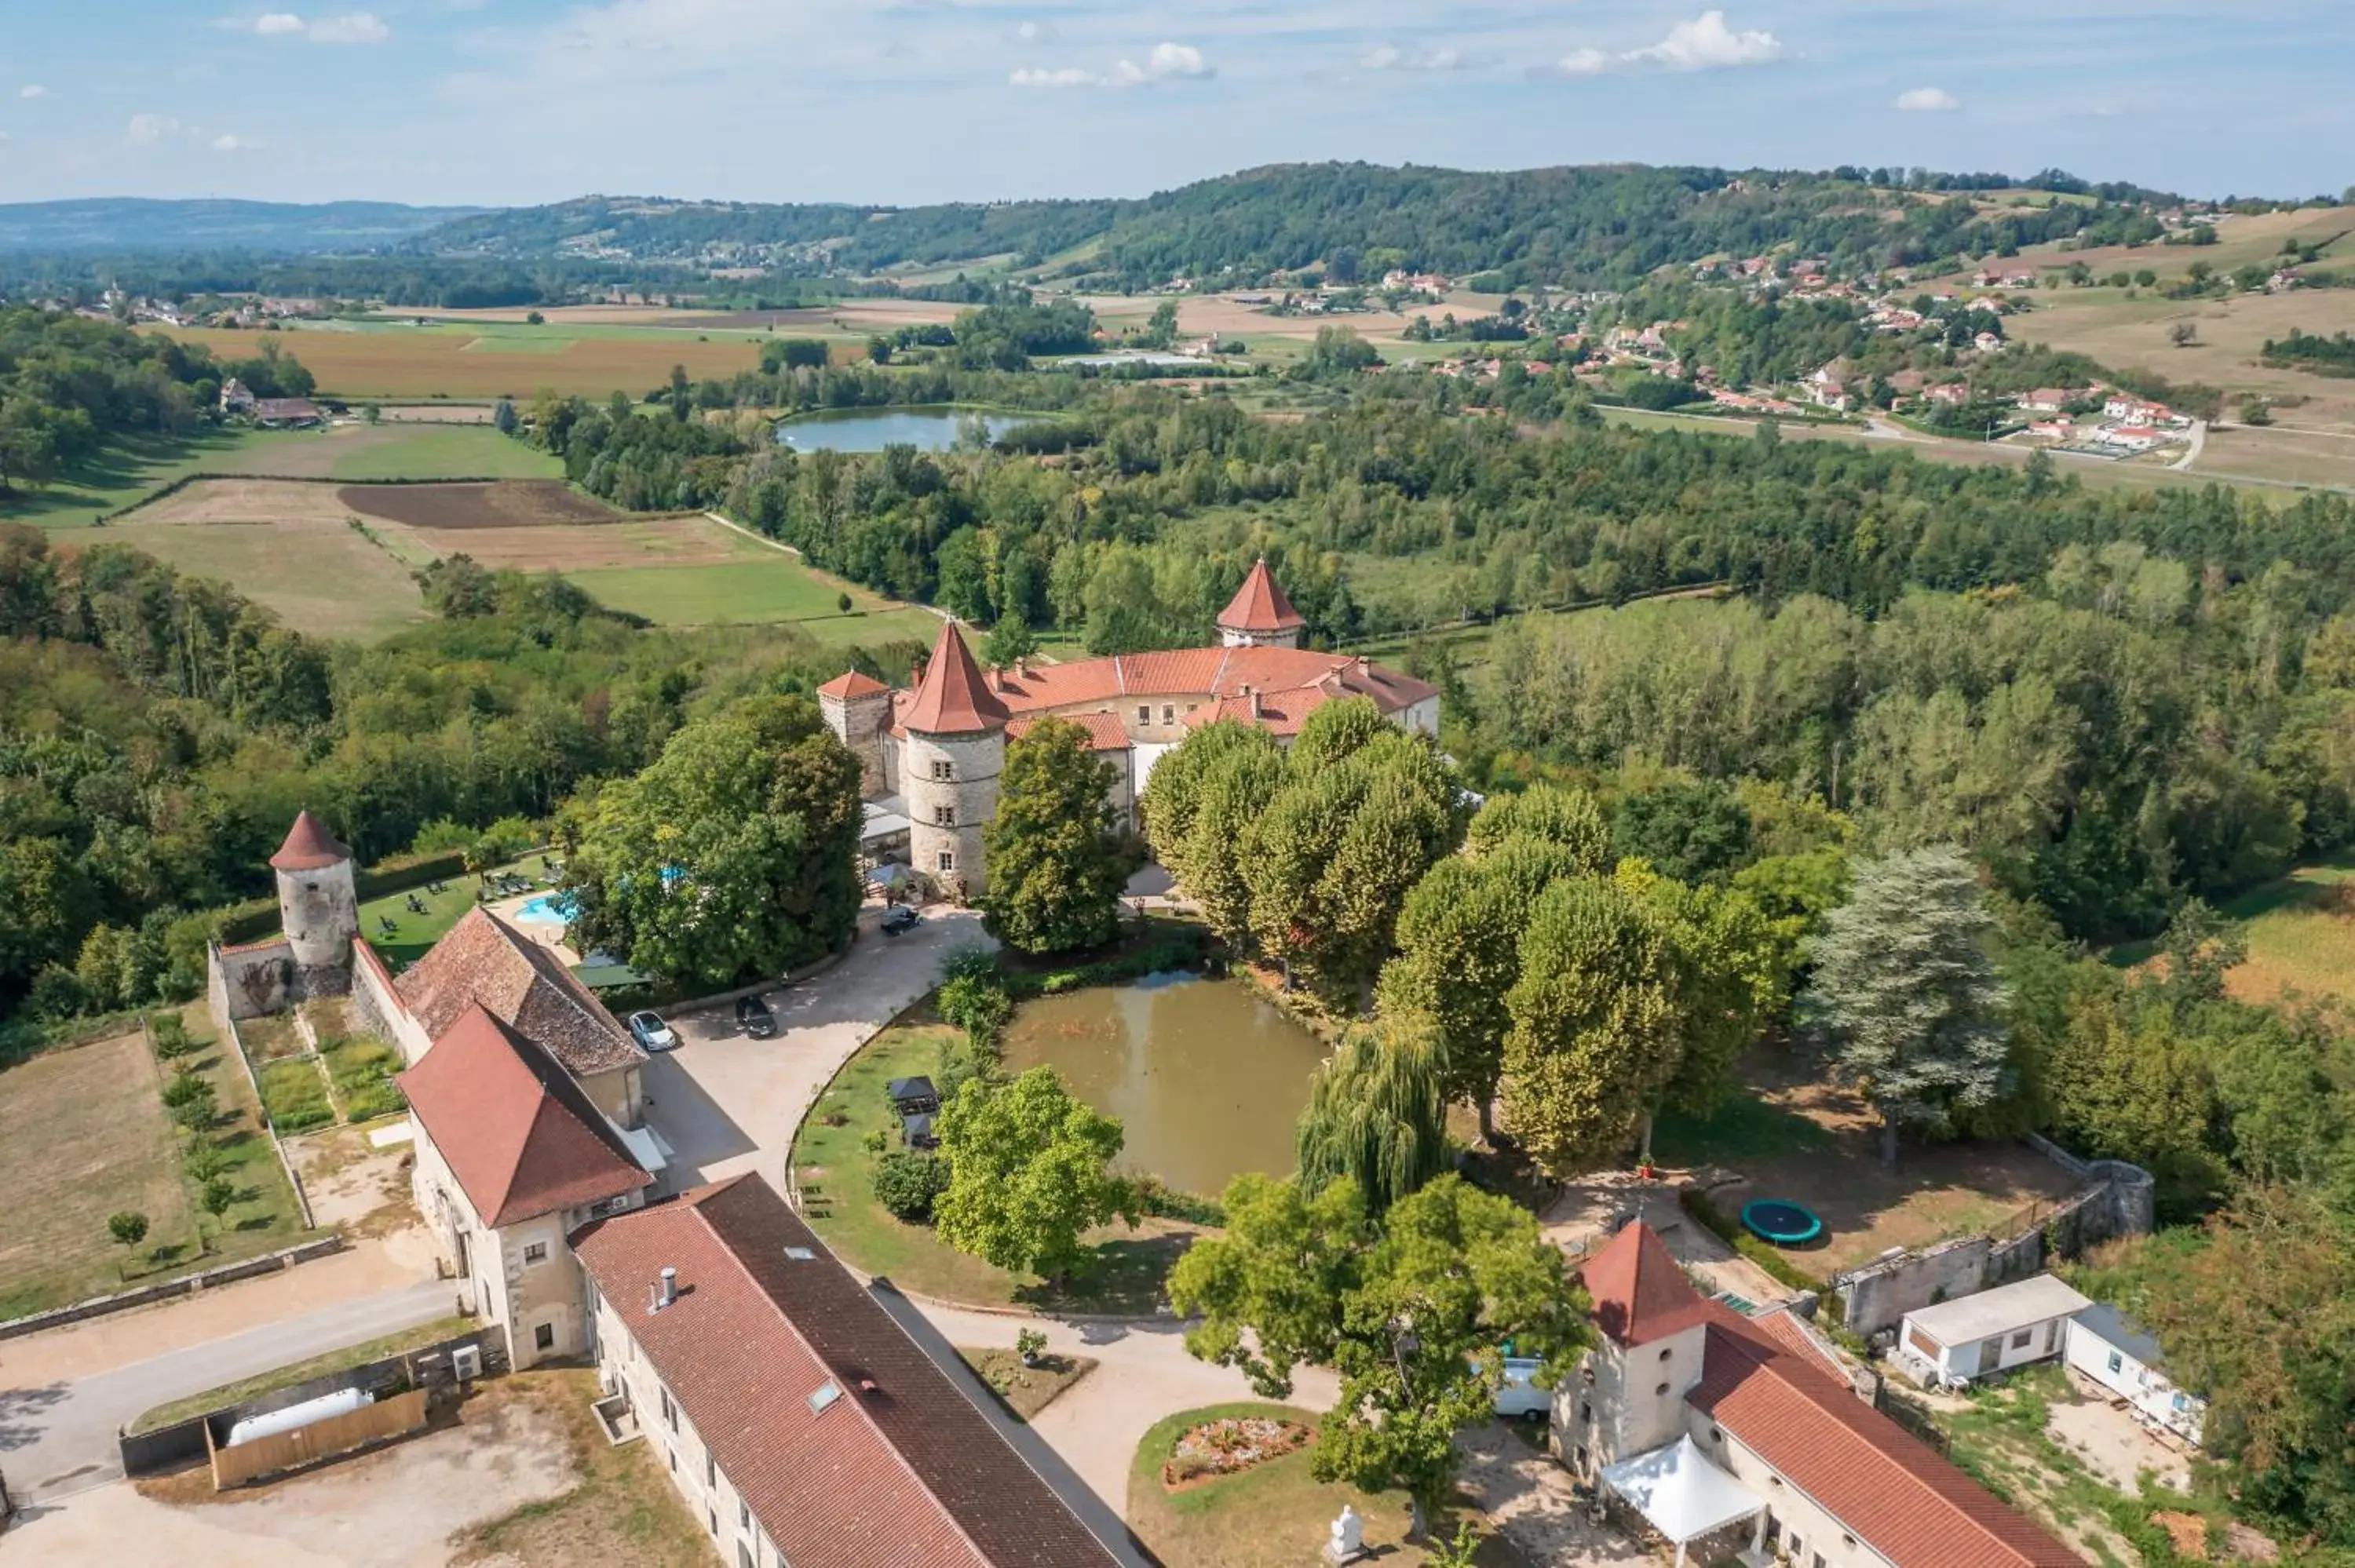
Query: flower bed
x,y
1229,1446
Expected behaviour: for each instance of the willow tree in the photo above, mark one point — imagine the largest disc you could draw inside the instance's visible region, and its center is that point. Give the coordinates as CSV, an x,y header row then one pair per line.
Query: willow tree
x,y
1376,1114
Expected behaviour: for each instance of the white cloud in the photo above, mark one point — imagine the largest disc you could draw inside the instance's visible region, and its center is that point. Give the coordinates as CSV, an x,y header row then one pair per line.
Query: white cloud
x,y
1390,57
1705,43
277,24
1927,100
146,130
228,142
1168,62
33,90
359,27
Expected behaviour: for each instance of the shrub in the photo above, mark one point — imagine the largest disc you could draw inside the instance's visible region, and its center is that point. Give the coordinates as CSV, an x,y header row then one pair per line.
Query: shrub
x,y
909,1182
875,1141
1730,1231
185,1085
205,1161
171,1036
442,837
1159,1199
1029,1344
128,1228
978,1005
55,995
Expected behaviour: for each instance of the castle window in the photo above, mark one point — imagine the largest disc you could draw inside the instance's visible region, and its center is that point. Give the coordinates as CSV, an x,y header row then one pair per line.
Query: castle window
x,y
945,816
1169,713
1144,713
943,769
948,860
1661,1390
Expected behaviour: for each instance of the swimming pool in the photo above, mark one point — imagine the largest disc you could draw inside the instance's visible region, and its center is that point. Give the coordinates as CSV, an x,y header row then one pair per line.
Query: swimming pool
x,y
547,909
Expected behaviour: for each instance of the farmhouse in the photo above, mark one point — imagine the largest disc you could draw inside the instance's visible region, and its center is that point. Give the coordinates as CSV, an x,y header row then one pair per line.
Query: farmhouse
x,y
800,1422
1729,1434
287,414
933,754
1991,1331
2108,1348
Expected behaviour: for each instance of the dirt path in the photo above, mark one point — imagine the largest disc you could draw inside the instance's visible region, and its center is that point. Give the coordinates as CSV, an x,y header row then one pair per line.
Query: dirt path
x,y
1529,1496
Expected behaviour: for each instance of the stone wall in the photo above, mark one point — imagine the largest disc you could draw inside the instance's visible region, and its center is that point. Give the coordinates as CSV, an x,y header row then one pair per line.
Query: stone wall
x,y
968,794
248,980
378,1007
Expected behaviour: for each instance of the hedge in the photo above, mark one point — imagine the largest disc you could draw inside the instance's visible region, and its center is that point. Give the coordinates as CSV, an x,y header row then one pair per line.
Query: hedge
x,y
255,918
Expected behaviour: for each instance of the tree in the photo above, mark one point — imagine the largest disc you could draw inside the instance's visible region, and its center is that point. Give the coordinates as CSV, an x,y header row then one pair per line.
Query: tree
x,y
1413,1313
1904,995
1009,641
1693,832
1029,1174
1375,1115
2261,1321
216,1198
842,604
503,417
1160,329
1055,869
2183,335
879,349
732,856
128,1228
1202,799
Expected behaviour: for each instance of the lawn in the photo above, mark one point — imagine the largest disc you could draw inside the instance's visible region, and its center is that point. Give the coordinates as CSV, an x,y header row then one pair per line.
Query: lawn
x,y
836,1172
88,1137
442,451
624,1511
1274,1515
287,1376
125,471
2300,932
414,930
285,545
756,590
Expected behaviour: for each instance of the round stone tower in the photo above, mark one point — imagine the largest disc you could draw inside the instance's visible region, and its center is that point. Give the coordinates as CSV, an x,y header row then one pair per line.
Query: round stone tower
x,y
948,769
1260,615
318,907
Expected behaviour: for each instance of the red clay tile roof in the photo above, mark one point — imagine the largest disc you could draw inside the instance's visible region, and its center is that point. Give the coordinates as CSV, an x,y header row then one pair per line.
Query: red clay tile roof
x,y
1639,1292
521,983
1201,673
899,1470
1259,604
1784,1328
1878,1479
1105,732
953,698
516,1131
309,846
851,686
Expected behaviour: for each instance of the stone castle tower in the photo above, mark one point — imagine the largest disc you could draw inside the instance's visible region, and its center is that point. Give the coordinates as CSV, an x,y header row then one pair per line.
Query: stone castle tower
x,y
949,766
1260,615
318,907
857,708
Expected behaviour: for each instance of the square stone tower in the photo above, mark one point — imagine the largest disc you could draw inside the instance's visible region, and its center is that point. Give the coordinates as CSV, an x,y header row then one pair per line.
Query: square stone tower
x,y
857,708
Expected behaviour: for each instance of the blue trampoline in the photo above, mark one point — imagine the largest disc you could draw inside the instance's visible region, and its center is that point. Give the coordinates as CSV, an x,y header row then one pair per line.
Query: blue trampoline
x,y
1781,1221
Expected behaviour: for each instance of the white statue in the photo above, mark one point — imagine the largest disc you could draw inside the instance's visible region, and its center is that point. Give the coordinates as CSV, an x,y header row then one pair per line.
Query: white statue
x,y
1348,1543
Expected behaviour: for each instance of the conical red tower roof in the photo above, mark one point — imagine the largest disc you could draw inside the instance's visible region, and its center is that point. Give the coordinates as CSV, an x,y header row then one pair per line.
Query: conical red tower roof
x,y
953,698
1639,1292
308,846
1260,606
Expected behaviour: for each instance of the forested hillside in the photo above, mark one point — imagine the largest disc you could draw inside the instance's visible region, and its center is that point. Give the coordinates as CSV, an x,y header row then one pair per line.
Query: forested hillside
x,y
123,223
1605,225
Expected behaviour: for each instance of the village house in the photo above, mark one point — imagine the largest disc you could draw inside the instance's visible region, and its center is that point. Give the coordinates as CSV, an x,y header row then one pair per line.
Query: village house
x,y
510,1158
933,754
2045,400
1729,1434
1952,394
286,414
804,1427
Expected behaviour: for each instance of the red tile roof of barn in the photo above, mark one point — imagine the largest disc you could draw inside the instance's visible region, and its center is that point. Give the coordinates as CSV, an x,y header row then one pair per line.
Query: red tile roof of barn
x,y
521,983
1206,672
1878,1479
1105,732
898,1468
1259,604
514,1126
953,698
1639,1292
309,846
852,684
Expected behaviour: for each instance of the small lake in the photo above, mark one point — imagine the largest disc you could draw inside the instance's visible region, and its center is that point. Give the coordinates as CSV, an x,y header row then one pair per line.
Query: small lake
x,y
872,429
1206,1076
1136,356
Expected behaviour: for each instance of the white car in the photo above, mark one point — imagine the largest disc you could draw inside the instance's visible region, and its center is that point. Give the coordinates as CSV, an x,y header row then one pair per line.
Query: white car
x,y
652,1032
1518,1394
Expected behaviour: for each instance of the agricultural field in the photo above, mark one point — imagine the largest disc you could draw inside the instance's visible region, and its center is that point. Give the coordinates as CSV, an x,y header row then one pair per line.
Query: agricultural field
x,y
2300,933
387,361
464,508
286,544
770,588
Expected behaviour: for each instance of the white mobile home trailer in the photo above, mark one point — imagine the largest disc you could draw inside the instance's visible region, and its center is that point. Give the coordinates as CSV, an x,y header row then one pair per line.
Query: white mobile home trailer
x,y
1993,1331
2109,1349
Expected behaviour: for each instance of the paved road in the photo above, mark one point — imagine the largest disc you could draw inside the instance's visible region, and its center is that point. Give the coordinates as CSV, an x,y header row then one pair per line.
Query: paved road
x,y
58,1437
726,1104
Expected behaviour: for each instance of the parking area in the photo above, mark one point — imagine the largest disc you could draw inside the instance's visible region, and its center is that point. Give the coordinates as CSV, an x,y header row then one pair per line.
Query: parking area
x,y
726,1103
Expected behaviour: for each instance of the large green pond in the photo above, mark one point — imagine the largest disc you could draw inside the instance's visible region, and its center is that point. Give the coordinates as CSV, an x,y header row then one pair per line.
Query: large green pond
x,y
1207,1077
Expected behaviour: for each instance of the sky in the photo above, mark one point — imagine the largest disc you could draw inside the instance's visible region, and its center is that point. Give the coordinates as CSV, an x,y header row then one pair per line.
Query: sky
x,y
498,102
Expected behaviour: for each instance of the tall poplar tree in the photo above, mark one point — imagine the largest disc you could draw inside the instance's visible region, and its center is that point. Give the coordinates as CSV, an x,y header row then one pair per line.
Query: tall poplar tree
x,y
1055,870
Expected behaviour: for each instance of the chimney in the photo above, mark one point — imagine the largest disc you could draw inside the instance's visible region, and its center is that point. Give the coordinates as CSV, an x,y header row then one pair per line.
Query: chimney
x,y
666,1290
1253,693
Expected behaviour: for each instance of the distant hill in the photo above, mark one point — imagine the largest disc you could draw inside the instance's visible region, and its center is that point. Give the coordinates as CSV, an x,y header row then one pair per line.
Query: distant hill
x,y
1605,223
132,224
